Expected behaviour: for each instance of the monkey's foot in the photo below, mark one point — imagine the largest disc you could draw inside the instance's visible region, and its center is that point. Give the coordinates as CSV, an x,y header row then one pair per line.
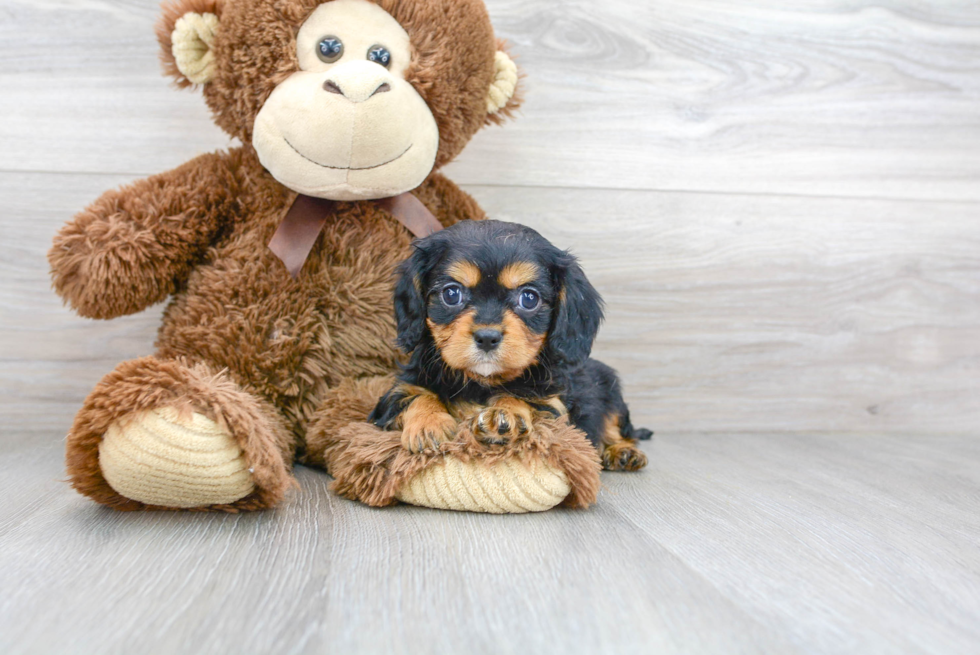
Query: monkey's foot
x,y
163,458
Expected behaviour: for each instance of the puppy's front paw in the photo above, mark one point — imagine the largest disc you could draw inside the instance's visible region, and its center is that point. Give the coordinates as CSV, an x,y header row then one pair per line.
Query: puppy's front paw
x,y
426,424
426,433
502,422
623,456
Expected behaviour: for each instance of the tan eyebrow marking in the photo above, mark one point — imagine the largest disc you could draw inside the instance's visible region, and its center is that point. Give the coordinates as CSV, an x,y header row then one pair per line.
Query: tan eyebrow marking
x,y
464,272
517,274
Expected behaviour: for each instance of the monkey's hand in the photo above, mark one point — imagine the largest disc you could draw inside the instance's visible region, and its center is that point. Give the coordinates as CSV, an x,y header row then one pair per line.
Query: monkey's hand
x,y
134,246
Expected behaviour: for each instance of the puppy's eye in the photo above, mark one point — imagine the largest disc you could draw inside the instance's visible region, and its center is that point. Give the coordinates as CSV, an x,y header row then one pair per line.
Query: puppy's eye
x,y
529,299
379,55
452,295
330,49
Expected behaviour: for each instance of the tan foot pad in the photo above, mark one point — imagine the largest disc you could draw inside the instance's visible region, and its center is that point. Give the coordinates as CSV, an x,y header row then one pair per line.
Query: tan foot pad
x,y
507,487
160,458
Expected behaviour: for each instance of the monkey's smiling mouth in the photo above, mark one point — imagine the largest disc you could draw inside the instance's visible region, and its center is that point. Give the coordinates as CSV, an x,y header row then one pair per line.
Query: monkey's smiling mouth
x,y
347,168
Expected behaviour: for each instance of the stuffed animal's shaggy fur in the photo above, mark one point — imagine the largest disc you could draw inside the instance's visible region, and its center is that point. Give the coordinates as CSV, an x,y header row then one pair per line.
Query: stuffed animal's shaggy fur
x,y
242,342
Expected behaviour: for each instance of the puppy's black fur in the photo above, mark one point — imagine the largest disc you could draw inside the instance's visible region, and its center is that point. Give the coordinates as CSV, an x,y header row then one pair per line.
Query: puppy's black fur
x,y
542,351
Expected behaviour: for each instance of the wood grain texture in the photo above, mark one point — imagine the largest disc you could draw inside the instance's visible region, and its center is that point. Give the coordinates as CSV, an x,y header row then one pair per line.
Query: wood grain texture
x,y
828,98
724,312
780,203
734,312
726,544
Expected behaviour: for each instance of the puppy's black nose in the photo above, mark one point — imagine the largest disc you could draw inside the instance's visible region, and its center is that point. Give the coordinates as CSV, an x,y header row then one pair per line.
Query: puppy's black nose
x,y
487,340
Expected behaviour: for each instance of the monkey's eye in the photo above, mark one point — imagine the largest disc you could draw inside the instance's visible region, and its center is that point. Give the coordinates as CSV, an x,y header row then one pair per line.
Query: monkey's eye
x,y
452,295
379,55
330,49
529,299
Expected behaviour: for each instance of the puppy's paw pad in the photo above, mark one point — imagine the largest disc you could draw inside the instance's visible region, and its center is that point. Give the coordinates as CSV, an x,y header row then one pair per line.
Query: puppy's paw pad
x,y
500,426
624,457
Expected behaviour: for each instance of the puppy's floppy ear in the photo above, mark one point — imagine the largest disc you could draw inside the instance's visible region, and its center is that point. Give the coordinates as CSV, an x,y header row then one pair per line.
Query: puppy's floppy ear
x,y
410,301
577,314
410,292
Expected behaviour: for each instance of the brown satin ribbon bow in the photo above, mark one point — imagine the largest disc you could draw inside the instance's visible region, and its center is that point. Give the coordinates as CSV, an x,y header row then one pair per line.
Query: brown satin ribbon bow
x,y
298,231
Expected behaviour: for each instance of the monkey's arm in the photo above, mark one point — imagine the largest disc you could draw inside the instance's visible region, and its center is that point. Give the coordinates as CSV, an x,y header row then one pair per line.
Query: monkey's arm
x,y
135,246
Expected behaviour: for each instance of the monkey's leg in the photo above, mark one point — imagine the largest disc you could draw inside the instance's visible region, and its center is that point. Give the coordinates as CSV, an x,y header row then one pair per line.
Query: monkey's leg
x,y
166,434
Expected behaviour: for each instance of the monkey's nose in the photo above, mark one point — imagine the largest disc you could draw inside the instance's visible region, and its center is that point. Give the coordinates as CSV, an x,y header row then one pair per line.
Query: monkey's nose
x,y
358,80
355,92
487,339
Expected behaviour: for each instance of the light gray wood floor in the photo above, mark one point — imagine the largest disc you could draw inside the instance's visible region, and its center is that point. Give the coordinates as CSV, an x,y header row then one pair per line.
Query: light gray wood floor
x,y
780,203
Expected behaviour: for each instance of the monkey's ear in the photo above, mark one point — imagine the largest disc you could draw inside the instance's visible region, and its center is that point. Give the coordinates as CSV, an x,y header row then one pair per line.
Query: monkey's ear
x,y
577,316
503,97
186,31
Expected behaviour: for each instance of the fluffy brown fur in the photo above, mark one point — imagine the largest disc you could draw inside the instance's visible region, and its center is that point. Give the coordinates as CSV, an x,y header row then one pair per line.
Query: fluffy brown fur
x,y
370,465
242,341
235,309
349,402
150,383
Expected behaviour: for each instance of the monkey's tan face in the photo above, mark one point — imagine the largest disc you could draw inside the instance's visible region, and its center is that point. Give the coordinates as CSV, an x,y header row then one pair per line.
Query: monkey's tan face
x,y
347,125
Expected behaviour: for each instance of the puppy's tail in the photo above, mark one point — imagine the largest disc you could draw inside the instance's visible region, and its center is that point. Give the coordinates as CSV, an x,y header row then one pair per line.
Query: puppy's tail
x,y
641,434
629,432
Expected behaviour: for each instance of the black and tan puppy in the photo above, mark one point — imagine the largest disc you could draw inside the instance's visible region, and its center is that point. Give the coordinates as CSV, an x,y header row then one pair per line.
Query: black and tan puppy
x,y
499,324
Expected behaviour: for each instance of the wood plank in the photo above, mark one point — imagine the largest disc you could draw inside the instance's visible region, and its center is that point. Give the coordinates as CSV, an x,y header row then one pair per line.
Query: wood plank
x,y
760,308
727,544
725,312
731,312
326,573
819,537
826,98
817,98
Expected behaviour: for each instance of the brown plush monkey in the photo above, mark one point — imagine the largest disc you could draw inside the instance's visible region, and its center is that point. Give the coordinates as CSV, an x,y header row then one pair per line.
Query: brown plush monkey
x,y
347,101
